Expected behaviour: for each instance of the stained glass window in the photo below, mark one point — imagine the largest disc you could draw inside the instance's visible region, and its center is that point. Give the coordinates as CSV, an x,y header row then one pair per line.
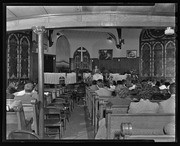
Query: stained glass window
x,y
157,54
81,58
158,59
145,59
170,59
18,56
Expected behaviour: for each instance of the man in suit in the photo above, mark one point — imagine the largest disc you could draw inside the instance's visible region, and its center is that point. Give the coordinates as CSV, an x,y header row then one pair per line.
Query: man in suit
x,y
144,105
168,106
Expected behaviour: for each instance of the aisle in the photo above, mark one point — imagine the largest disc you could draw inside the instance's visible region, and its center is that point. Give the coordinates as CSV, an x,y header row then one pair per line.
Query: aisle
x,y
79,126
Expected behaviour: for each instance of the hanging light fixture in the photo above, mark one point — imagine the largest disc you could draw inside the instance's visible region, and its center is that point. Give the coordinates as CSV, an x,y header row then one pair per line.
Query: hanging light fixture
x,y
118,42
169,31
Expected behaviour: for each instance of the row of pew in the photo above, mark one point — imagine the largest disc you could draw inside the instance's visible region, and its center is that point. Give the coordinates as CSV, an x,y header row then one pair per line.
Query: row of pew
x,y
58,106
118,123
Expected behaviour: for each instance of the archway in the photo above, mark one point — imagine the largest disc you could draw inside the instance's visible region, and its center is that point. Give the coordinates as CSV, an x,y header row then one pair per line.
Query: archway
x,y
62,54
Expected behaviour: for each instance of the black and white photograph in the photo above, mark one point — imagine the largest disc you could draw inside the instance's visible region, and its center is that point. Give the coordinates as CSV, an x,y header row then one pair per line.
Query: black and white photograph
x,y
81,73
131,53
105,54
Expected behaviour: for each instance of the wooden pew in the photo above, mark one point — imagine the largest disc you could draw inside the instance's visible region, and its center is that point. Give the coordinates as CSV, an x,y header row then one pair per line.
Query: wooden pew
x,y
142,124
89,101
116,109
92,105
99,108
31,111
15,120
54,97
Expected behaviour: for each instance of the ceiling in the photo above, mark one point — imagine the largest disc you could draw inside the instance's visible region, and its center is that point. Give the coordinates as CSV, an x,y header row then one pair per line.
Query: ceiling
x,y
87,15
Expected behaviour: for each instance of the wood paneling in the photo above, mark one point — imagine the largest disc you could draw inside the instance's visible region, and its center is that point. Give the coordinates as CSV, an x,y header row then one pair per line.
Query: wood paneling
x,y
119,65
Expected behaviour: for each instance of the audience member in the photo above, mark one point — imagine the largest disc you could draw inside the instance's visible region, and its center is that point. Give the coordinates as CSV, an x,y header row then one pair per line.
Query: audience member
x,y
168,106
112,85
167,84
104,91
100,83
27,94
120,85
121,99
97,75
144,105
133,85
162,84
11,89
94,85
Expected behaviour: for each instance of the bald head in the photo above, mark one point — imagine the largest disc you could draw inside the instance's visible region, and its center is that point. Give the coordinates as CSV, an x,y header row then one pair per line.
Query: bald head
x,y
28,87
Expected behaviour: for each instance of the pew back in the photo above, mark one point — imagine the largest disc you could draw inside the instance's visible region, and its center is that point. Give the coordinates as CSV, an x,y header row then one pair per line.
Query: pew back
x,y
119,109
30,110
15,120
142,124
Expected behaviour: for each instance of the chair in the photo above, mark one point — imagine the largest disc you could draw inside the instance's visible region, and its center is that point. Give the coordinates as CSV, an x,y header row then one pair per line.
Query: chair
x,y
81,92
55,122
22,134
60,105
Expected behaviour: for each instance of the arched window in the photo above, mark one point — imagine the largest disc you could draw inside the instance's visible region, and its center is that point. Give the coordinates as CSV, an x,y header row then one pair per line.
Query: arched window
x,y
12,56
158,59
145,59
81,58
18,56
24,57
169,59
157,52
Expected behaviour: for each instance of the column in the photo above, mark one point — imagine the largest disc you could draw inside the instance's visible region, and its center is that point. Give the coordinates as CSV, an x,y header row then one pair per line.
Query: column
x,y
39,30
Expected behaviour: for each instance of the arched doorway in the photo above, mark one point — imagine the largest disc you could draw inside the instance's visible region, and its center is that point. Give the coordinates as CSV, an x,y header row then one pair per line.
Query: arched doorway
x,y
157,52
62,54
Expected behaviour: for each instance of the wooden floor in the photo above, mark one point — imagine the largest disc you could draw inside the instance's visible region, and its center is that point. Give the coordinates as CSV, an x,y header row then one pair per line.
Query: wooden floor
x,y
79,125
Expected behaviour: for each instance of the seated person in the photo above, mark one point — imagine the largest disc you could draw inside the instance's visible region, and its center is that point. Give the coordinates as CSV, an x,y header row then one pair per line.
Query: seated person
x,y
162,85
120,85
168,106
97,76
157,95
165,93
22,91
94,85
122,98
10,90
104,91
144,105
133,85
28,95
100,83
112,85
167,84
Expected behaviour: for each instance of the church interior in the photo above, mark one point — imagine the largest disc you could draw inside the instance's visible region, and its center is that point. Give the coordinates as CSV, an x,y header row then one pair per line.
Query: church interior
x,y
59,47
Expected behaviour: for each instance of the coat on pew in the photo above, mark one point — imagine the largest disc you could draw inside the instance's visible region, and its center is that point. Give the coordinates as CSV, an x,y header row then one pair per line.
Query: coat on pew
x,y
143,106
103,92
